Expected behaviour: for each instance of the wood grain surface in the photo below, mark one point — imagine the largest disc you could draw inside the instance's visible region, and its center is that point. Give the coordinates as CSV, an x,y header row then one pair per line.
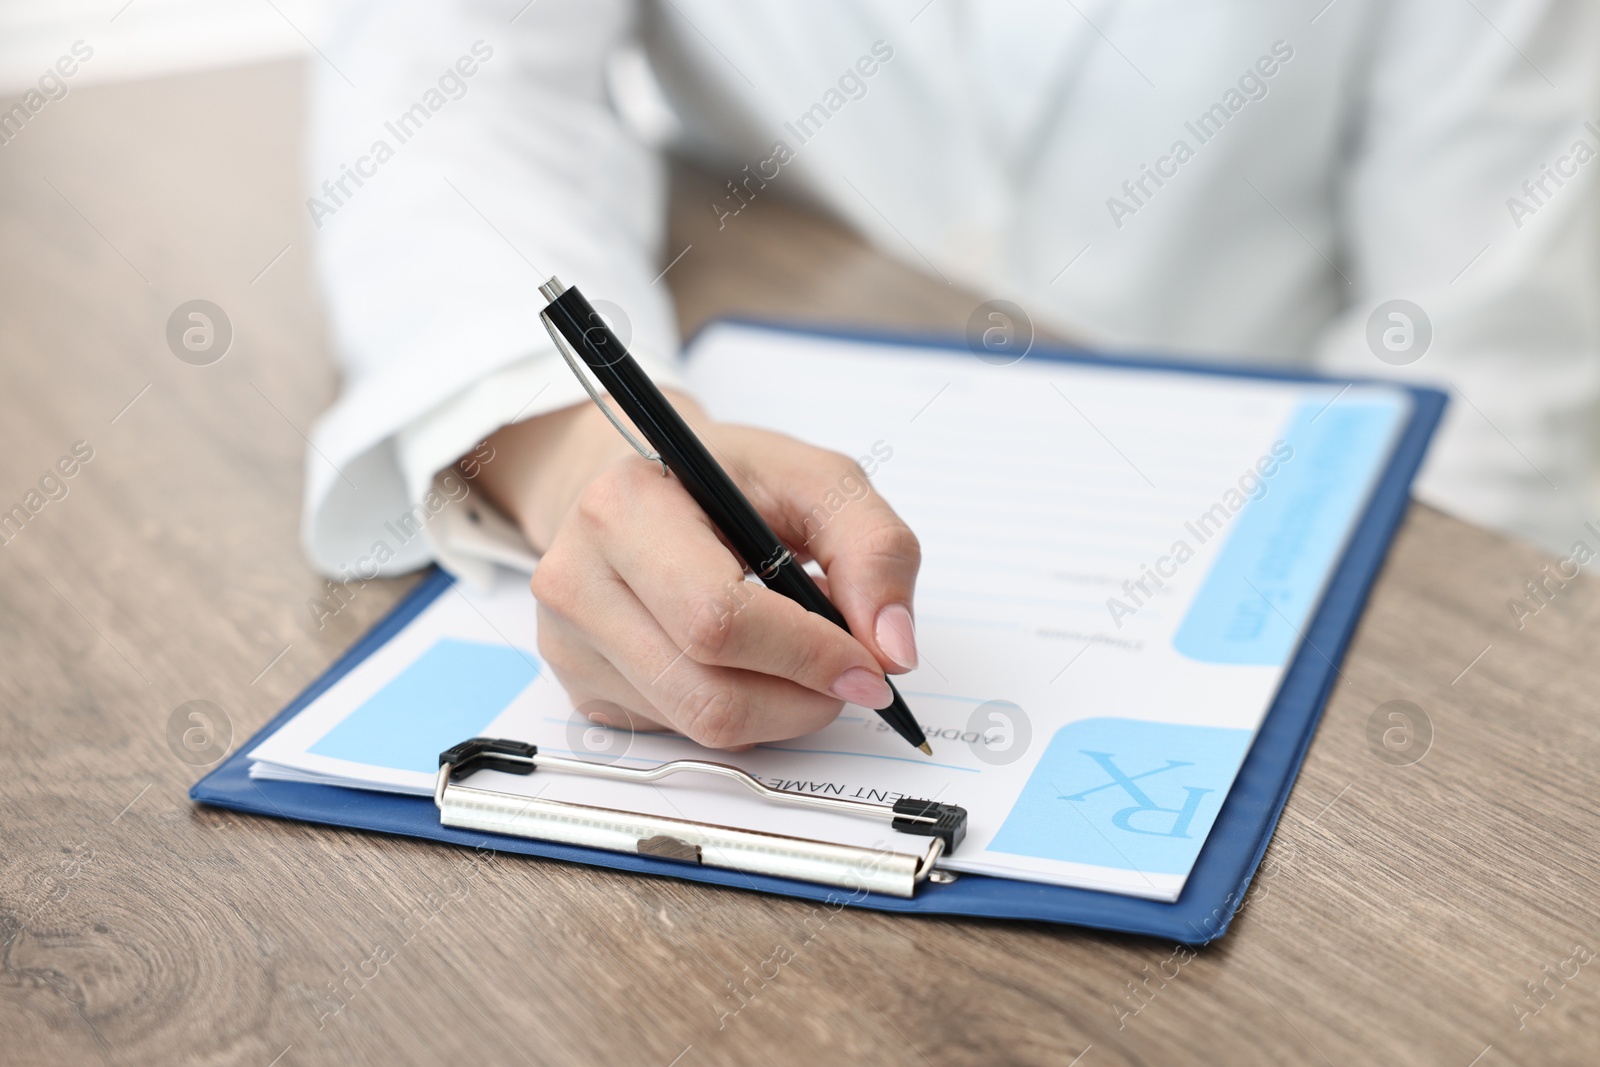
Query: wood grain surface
x,y
1404,915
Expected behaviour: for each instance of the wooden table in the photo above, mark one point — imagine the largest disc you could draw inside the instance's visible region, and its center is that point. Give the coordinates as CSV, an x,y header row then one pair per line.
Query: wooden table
x,y
1400,914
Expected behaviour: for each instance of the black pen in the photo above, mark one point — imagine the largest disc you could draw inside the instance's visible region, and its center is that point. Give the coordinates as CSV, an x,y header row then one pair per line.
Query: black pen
x,y
676,445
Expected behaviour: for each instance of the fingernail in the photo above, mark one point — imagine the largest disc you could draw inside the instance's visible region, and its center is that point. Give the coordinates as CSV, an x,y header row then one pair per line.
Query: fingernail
x,y
860,686
896,636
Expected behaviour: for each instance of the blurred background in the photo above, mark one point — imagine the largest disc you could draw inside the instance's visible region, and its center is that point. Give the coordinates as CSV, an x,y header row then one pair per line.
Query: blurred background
x,y
175,154
140,38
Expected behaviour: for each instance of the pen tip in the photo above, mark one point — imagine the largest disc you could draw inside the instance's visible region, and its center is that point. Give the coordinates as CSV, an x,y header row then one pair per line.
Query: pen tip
x,y
926,751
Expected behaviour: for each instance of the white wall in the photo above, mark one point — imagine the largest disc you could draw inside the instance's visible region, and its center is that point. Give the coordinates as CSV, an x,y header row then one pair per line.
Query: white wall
x,y
149,37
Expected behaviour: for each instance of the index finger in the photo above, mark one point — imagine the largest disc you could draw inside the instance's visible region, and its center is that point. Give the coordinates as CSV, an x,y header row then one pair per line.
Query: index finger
x,y
822,502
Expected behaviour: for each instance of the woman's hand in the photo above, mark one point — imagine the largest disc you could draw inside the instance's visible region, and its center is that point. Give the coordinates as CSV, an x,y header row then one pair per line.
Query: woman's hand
x,y
644,612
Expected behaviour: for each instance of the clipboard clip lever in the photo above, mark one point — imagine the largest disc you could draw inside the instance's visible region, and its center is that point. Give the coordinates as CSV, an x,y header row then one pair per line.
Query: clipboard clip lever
x,y
868,869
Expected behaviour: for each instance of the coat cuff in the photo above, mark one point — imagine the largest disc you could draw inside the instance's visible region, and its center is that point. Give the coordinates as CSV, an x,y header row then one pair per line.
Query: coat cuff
x,y
412,506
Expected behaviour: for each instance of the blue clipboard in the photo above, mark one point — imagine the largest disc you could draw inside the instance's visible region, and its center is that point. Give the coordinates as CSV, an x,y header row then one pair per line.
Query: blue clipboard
x,y
1227,862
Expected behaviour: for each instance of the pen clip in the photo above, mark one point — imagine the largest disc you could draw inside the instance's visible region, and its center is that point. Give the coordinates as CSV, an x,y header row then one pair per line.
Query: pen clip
x,y
594,394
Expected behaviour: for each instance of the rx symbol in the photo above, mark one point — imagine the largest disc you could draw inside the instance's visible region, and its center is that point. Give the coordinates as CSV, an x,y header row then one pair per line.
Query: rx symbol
x,y
1118,778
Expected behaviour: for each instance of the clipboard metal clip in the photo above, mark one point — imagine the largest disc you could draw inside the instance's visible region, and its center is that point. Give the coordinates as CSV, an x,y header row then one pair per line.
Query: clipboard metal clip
x,y
853,867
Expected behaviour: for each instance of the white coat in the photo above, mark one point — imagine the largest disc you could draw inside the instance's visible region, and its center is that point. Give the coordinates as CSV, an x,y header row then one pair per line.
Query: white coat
x,y
1243,179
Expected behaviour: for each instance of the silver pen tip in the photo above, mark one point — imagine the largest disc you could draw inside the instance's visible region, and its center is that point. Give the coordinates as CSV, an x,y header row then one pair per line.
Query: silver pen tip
x,y
552,288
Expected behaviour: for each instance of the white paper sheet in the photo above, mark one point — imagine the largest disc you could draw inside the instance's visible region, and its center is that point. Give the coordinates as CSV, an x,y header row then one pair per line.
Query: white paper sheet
x,y
1089,687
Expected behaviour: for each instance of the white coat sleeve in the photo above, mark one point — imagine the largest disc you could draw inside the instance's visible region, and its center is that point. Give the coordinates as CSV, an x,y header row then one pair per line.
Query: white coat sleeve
x,y
458,157
1449,202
